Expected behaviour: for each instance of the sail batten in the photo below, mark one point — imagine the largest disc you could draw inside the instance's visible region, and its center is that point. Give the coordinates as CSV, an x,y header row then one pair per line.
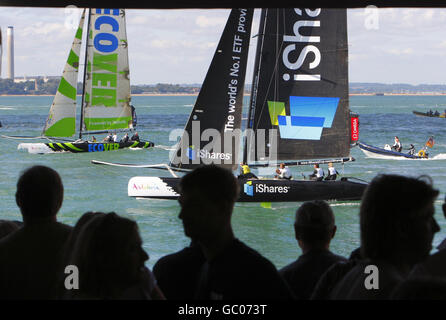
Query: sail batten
x,y
300,103
61,120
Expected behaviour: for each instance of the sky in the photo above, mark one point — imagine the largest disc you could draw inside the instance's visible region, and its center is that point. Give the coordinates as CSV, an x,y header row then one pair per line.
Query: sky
x,y
392,45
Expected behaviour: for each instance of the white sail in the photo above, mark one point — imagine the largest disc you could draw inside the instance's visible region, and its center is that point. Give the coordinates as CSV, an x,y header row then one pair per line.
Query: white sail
x,y
107,87
61,120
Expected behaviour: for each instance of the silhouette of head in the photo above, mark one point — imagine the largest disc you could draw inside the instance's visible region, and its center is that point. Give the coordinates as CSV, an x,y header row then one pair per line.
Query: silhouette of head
x,y
316,165
282,165
207,197
315,224
397,219
39,192
109,255
330,164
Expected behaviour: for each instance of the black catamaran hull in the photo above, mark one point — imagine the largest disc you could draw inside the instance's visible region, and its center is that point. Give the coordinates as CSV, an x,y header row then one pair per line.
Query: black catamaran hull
x,y
380,153
427,114
77,147
257,190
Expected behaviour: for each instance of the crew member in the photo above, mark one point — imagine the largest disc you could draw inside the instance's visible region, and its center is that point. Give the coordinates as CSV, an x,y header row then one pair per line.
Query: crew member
x,y
135,137
108,138
318,173
332,173
411,150
245,172
283,172
93,139
125,138
115,137
397,146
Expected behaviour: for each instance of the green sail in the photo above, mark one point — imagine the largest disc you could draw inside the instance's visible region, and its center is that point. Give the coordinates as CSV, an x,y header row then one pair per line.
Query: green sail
x,y
61,119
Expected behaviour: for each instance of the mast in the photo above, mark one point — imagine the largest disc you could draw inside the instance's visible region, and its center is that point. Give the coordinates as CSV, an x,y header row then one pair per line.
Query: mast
x,y
255,81
85,75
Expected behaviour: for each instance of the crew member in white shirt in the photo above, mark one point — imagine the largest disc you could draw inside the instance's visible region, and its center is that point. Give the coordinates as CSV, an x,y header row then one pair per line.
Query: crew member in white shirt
x,y
283,172
397,146
332,173
318,173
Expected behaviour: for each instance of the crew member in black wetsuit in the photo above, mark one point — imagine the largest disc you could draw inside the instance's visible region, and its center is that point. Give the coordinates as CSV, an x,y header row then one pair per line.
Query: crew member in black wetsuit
x,y
245,172
411,150
135,137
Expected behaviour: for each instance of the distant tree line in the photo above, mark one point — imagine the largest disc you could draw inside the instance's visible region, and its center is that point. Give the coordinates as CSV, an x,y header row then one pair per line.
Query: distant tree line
x,y
39,86
360,87
7,86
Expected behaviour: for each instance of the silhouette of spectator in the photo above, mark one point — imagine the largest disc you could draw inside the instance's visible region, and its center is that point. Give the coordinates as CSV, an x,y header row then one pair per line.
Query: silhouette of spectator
x,y
110,260
177,273
7,227
397,227
421,288
434,265
30,257
62,292
232,269
314,229
333,275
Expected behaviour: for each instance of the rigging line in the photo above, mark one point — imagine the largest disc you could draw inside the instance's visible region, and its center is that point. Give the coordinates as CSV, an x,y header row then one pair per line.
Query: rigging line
x,y
273,77
87,37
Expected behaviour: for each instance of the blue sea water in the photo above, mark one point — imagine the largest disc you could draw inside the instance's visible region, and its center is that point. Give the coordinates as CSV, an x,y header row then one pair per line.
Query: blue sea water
x,y
268,230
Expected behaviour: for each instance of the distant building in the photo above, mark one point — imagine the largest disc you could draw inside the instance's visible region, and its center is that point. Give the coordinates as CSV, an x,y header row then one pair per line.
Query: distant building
x,y
35,78
1,50
10,52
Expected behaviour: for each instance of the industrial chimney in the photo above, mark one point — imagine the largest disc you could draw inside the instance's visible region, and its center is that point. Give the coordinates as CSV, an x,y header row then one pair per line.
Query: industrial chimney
x,y
1,53
10,53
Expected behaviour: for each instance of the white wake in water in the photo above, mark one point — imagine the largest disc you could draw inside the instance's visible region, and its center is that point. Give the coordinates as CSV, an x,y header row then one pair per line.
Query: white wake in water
x,y
36,148
441,156
168,148
7,108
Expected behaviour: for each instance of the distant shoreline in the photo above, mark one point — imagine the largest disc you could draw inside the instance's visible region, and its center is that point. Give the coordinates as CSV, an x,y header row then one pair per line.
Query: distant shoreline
x,y
196,94
133,94
397,94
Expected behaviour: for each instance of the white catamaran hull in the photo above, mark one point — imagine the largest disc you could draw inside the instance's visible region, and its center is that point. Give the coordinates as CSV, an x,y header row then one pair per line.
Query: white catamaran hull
x,y
35,148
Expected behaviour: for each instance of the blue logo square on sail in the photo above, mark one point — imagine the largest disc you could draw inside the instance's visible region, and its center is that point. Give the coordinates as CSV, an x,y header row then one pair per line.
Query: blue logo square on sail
x,y
248,189
309,115
307,121
191,153
320,107
282,120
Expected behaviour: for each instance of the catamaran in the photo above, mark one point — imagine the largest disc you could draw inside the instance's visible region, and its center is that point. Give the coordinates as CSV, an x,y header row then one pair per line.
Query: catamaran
x,y
298,109
106,90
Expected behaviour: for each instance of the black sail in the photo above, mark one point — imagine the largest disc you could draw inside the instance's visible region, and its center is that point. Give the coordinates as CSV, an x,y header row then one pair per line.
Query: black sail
x,y
300,93
212,133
